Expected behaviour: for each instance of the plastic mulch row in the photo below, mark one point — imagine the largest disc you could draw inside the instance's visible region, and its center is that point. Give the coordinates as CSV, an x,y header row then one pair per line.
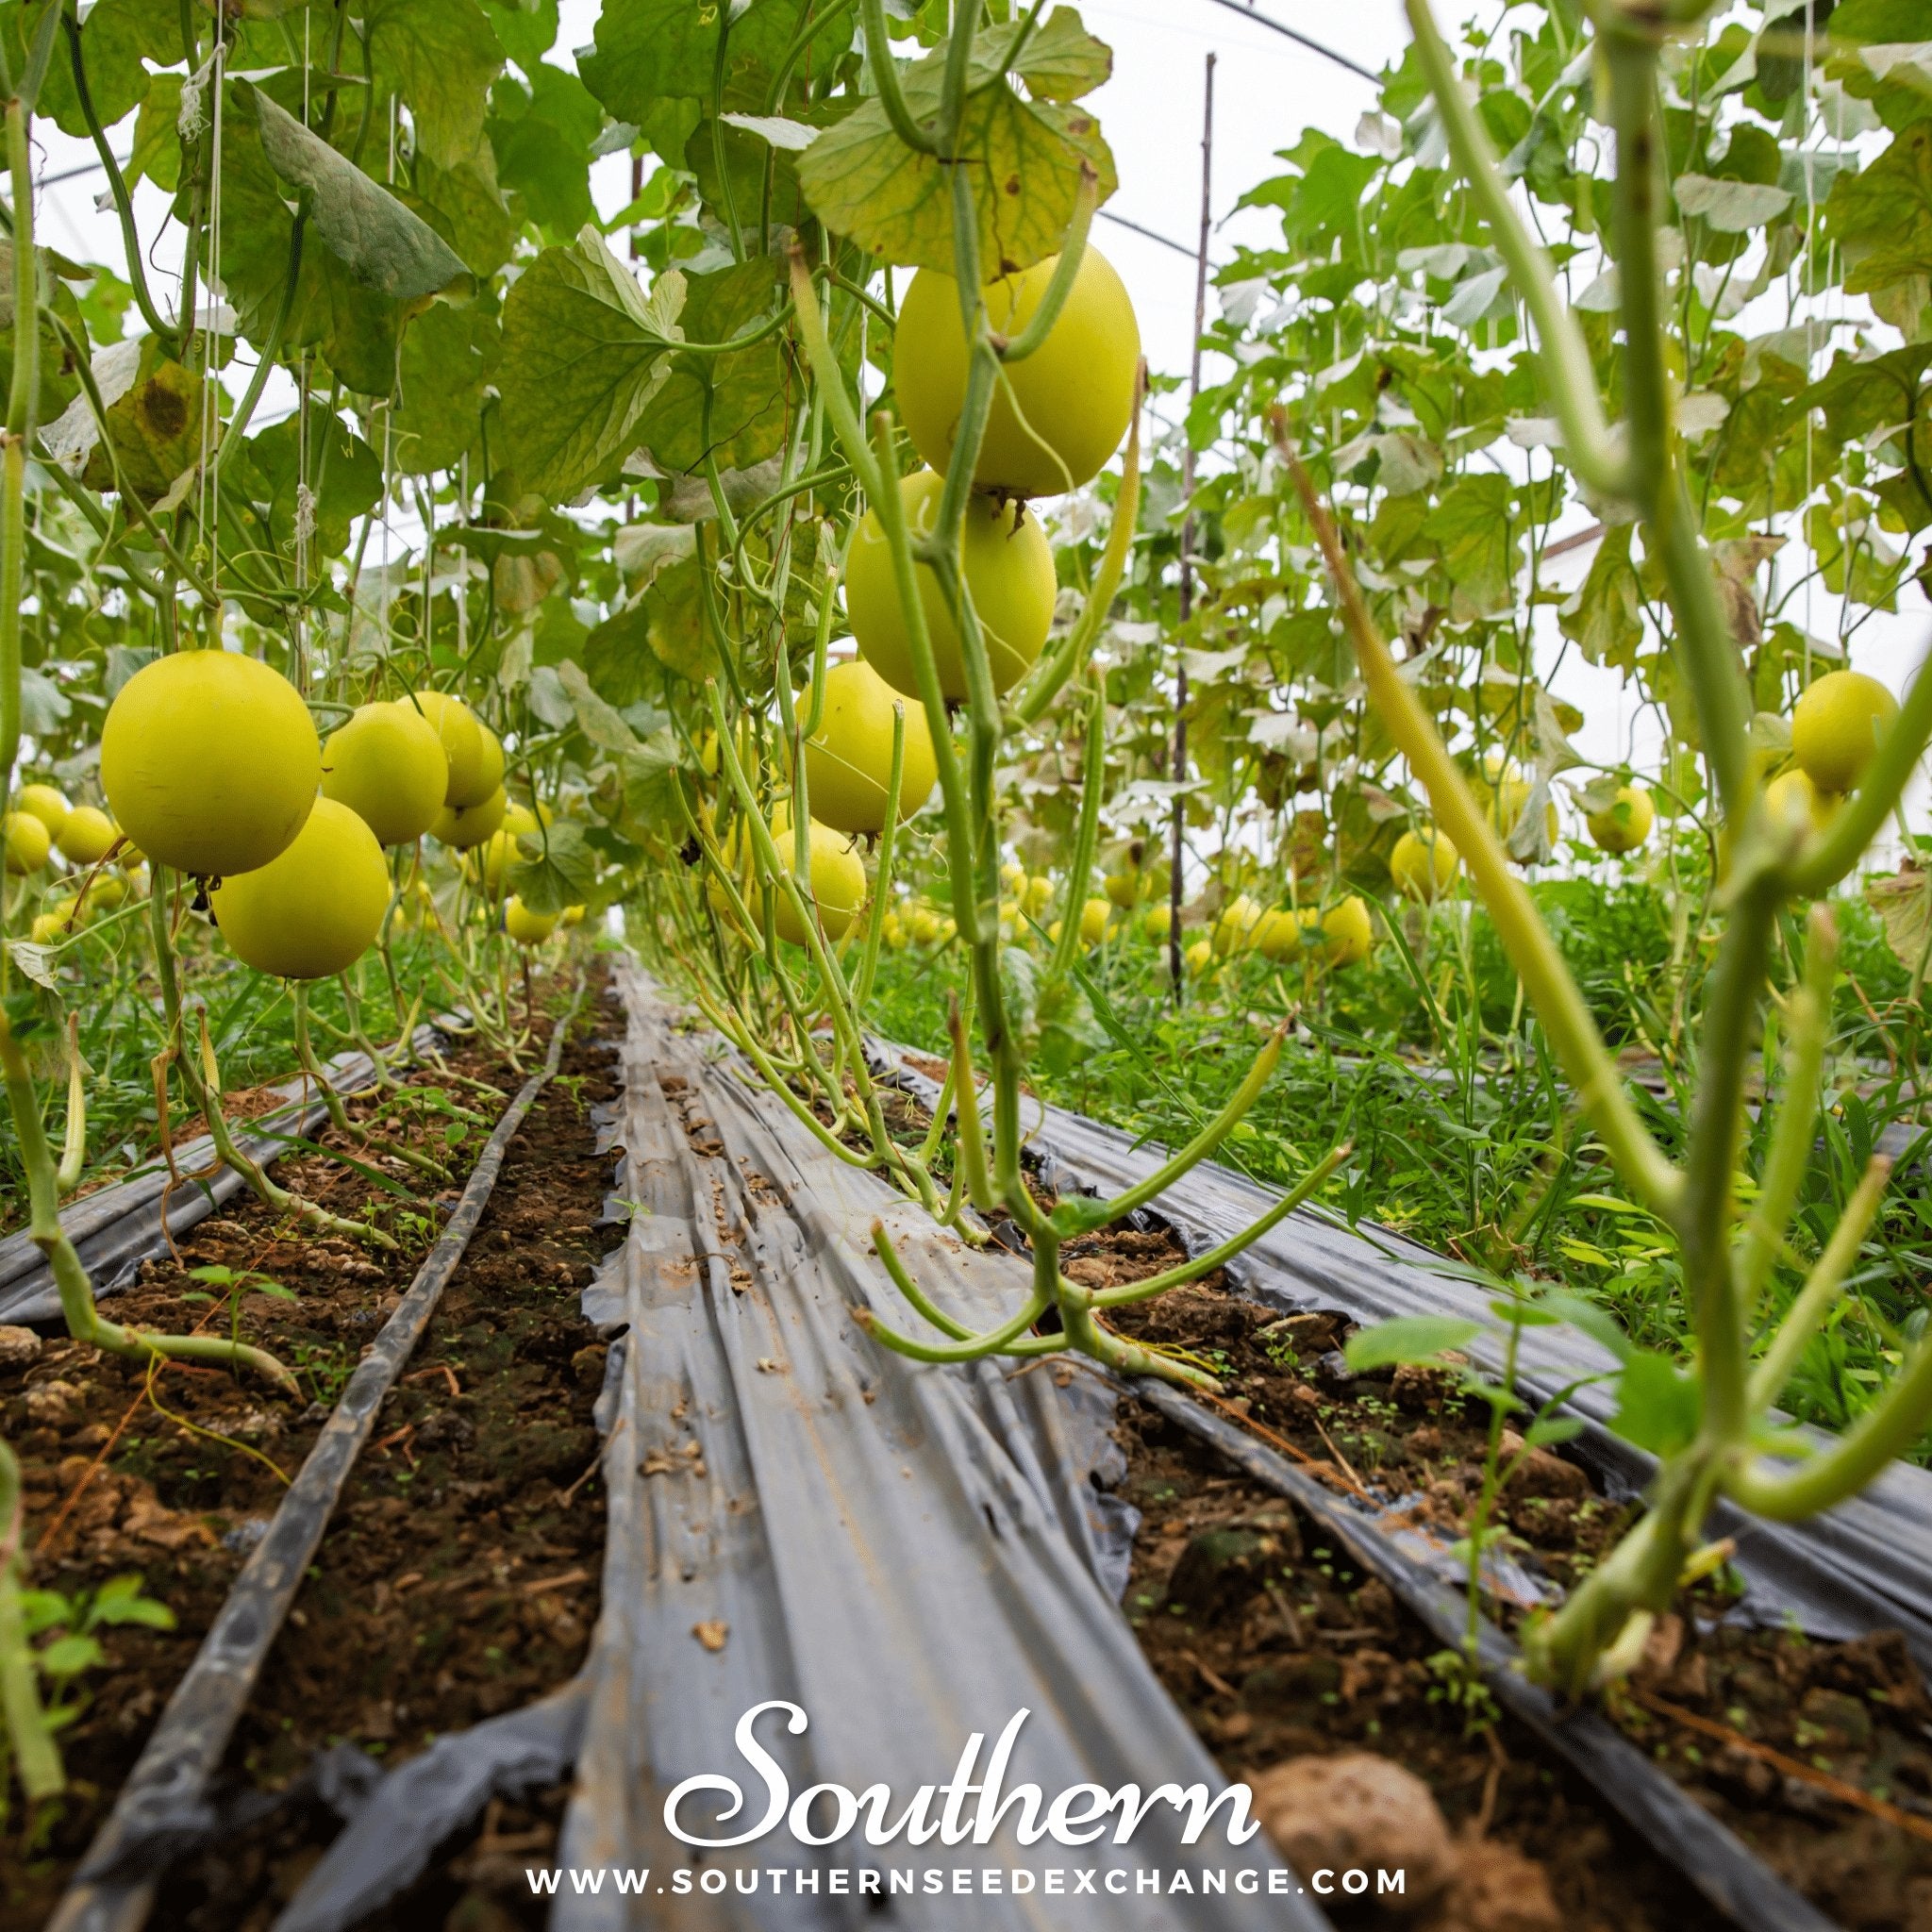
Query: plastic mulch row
x,y
1864,1566
116,1228
163,1806
910,1555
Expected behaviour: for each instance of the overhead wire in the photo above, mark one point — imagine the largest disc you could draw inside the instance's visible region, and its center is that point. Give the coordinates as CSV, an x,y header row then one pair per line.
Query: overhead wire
x,y
1247,11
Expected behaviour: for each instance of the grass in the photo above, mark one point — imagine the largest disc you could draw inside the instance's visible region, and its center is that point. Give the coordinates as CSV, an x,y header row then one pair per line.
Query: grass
x,y
1464,1138
106,979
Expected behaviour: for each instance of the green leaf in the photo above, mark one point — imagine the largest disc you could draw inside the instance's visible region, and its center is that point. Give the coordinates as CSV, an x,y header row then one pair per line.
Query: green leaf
x,y
1881,216
1732,208
1069,1033
344,473
1589,1318
441,56
750,389
1020,989
60,380
1660,1405
583,355
1025,156
464,206
1409,1339
157,151
67,1657
748,152
115,40
43,706
525,29
119,1600
1552,1429
649,51
449,355
384,246
1061,61
1522,1314
543,140
647,776
1472,527
563,874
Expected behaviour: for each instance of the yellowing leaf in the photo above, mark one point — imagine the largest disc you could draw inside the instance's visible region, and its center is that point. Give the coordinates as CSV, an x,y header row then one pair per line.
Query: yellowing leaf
x,y
1025,156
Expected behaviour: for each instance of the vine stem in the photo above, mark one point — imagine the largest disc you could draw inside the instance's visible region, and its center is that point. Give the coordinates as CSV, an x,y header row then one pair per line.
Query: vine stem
x,y
1177,764
205,1093
1565,1015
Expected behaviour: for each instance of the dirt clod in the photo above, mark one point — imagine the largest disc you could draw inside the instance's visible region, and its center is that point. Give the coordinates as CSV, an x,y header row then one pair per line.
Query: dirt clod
x,y
1495,1889
1357,1811
18,1346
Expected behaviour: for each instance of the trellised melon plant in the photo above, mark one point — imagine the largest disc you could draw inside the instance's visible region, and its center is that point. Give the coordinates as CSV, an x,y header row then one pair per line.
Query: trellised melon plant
x,y
1849,738
535,604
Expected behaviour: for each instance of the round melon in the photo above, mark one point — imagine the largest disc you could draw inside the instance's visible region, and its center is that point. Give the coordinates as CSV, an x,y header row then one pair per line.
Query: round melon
x,y
46,804
498,853
1835,727
26,841
526,927
476,756
312,910
1010,576
210,762
474,823
87,836
837,880
1422,863
1059,413
848,761
387,765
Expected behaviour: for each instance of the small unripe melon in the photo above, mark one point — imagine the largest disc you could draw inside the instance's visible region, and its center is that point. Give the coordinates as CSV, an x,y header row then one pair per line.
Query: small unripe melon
x,y
87,836
472,823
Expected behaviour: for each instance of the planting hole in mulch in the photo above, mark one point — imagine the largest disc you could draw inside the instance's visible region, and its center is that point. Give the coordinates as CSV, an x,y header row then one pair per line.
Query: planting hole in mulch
x,y
460,1576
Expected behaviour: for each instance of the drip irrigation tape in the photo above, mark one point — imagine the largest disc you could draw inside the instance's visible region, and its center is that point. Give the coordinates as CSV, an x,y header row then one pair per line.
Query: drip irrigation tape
x,y
910,1554
116,1228
1718,1863
162,1804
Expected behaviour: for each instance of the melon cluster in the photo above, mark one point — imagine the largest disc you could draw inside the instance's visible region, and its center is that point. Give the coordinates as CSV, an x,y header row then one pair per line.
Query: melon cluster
x,y
212,766
1057,418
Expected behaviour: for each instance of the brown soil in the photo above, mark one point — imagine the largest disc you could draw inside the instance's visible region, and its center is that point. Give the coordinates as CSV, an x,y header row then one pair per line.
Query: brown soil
x,y
1277,1648
460,1575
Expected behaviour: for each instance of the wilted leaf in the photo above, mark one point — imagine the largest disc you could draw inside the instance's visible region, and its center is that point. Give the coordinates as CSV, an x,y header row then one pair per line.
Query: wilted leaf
x,y
385,247
154,427
1904,908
